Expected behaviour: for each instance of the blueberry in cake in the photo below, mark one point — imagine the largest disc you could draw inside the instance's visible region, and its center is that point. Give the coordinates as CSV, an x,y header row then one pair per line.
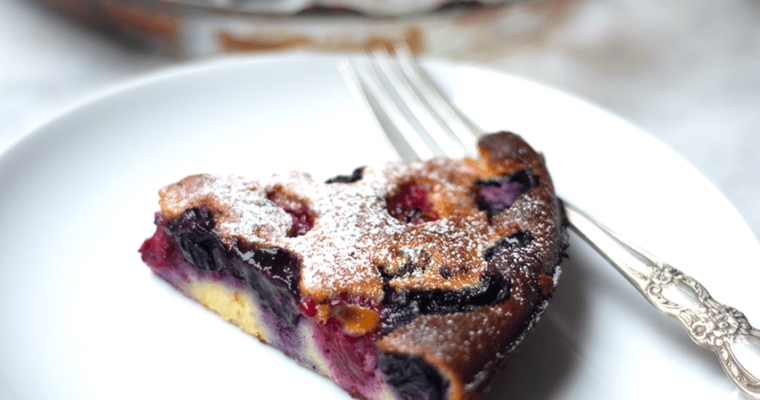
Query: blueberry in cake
x,y
411,281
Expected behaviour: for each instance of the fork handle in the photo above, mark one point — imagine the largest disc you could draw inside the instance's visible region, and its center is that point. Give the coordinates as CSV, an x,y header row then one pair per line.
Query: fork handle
x,y
723,329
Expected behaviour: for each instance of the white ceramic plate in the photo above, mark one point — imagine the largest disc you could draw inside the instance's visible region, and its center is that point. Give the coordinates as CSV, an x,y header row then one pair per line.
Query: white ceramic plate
x,y
82,318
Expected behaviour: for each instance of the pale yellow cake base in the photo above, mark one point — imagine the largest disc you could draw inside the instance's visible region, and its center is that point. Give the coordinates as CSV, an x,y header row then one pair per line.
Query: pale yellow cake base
x,y
234,306
240,308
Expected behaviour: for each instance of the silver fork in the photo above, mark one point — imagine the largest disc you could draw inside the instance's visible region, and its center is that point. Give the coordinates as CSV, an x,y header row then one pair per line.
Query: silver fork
x,y
420,124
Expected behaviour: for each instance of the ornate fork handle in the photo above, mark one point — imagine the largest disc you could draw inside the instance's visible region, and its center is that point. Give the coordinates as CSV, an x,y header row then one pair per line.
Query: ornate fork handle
x,y
723,329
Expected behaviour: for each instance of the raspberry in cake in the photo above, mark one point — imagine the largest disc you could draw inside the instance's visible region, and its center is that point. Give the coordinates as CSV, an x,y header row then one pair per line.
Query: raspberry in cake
x,y
409,281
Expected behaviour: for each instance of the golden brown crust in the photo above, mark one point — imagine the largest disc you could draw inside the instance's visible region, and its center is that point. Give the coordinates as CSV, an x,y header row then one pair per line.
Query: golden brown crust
x,y
356,212
357,249
469,348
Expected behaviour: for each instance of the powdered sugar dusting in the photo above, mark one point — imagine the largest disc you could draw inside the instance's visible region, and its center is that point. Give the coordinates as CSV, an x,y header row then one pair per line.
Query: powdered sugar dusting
x,y
340,252
241,207
353,245
354,237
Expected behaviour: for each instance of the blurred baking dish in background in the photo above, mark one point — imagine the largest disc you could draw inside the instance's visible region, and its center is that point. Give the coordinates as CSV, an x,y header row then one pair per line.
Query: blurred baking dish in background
x,y
483,29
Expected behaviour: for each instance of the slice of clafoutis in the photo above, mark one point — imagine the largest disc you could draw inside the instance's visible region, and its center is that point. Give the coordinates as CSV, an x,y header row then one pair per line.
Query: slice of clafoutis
x,y
408,281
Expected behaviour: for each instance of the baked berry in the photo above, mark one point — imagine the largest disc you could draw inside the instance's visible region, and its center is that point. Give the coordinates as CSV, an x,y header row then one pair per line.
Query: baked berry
x,y
410,204
302,219
354,177
517,239
496,195
412,377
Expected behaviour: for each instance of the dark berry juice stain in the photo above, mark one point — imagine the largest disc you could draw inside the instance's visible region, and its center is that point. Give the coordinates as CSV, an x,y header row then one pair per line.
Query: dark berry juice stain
x,y
192,234
410,204
272,273
401,307
354,177
412,377
354,353
496,195
156,251
517,239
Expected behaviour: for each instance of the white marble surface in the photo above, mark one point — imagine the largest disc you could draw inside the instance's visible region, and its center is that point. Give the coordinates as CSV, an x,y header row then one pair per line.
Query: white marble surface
x,y
686,71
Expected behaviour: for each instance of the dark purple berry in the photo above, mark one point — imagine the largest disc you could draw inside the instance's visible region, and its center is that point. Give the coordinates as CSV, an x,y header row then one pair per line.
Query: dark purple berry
x,y
302,219
272,273
496,195
410,204
192,234
355,176
517,239
412,377
401,307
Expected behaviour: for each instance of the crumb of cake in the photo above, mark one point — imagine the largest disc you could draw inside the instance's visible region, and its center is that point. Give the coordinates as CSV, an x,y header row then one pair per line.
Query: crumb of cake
x,y
546,283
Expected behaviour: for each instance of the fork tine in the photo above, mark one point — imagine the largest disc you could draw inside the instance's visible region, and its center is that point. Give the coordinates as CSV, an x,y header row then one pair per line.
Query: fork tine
x,y
365,83
450,146
415,118
464,129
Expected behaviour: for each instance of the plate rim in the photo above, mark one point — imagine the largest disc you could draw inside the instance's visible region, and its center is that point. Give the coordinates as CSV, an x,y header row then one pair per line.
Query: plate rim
x,y
178,70
181,70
